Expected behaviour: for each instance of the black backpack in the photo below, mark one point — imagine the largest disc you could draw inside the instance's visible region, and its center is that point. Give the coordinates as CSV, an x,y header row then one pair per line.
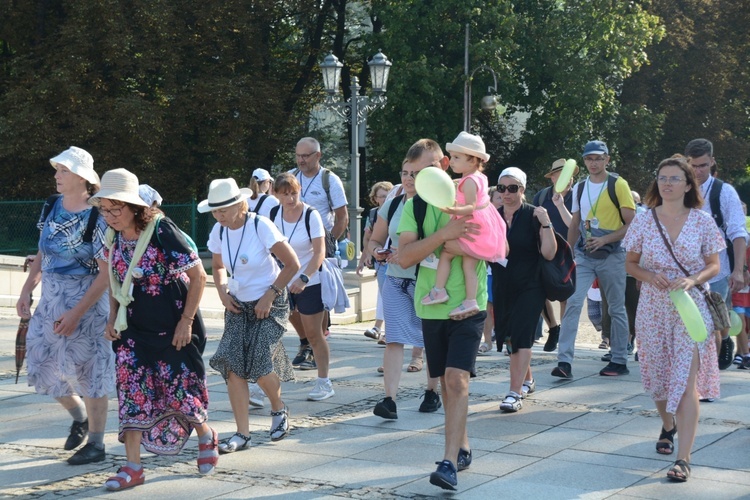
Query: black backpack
x,y
611,181
275,211
714,200
88,235
558,275
259,204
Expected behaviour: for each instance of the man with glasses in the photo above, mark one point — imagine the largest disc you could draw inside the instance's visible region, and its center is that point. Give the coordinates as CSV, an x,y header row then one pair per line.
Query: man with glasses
x,y
598,225
328,198
451,345
722,202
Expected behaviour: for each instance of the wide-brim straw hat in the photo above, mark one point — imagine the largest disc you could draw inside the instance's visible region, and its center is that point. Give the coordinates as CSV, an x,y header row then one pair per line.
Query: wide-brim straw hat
x,y
118,185
468,144
78,161
223,193
558,166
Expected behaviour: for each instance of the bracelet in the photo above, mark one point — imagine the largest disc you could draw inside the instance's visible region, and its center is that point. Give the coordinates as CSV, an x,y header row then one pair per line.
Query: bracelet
x,y
187,317
547,227
276,290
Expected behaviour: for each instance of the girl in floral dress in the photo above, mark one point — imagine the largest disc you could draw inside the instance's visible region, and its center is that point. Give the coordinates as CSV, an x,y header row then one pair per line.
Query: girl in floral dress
x,y
675,369
157,334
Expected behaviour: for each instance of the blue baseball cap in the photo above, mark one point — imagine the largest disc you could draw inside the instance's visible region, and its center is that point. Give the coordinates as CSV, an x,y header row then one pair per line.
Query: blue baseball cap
x,y
595,148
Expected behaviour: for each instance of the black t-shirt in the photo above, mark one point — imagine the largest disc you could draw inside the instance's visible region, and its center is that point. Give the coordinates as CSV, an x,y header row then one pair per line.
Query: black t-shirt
x,y
522,269
552,210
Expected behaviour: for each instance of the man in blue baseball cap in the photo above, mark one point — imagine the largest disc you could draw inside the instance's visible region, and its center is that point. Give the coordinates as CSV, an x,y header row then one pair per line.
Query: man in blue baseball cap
x,y
603,207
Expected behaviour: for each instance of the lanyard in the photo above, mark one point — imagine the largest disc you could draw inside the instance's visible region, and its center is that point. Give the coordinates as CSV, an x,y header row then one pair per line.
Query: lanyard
x,y
229,250
304,193
283,231
599,196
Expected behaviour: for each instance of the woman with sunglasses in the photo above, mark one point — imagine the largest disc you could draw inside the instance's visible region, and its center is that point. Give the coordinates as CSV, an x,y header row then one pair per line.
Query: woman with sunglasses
x,y
517,290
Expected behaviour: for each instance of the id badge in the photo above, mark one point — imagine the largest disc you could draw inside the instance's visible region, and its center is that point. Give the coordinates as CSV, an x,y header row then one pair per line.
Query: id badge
x,y
233,286
431,261
595,223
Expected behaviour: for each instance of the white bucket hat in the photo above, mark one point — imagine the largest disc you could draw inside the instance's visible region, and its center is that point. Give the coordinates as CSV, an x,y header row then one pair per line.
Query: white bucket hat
x,y
118,185
261,174
79,161
223,193
468,144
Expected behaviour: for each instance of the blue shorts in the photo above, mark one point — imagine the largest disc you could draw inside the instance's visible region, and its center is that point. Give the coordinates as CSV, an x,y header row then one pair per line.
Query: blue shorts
x,y
742,310
309,301
489,288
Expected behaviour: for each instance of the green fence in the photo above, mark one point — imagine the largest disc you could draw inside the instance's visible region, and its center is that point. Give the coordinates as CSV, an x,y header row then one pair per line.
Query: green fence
x,y
19,235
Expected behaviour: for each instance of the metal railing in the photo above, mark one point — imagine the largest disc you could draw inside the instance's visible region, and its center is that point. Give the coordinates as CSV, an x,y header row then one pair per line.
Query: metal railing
x,y
19,235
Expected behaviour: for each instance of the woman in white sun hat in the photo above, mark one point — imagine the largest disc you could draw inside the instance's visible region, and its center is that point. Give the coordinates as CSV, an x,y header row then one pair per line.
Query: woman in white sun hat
x,y
252,288
67,357
157,333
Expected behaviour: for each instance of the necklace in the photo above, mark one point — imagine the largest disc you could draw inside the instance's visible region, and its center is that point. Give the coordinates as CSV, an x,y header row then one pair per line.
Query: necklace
x,y
304,191
229,249
283,230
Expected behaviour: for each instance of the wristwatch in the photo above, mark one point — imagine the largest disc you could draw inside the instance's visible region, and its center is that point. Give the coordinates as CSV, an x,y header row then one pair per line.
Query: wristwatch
x,y
305,278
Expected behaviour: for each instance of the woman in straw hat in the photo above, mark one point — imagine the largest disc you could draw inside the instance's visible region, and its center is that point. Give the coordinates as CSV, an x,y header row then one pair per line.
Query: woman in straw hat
x,y
253,289
157,333
67,357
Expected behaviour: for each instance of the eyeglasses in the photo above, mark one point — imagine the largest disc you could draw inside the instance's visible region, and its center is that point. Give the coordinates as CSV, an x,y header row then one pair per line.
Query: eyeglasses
x,y
600,159
412,174
663,179
513,188
305,156
115,212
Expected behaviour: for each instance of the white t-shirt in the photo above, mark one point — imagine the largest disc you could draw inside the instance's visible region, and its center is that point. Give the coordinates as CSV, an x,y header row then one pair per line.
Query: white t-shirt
x,y
592,190
313,194
265,208
251,263
296,234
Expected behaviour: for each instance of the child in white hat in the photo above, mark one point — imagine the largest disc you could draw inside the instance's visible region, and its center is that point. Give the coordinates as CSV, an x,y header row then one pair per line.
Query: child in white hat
x,y
468,156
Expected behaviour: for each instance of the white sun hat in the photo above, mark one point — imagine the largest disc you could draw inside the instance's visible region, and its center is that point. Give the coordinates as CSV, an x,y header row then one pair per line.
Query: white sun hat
x,y
79,161
468,144
223,193
119,185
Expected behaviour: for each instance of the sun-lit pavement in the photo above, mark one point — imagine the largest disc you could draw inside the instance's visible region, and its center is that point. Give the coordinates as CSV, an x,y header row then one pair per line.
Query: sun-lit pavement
x,y
590,437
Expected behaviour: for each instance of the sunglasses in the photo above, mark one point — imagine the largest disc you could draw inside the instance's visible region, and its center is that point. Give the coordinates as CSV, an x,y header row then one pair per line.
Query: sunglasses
x,y
513,188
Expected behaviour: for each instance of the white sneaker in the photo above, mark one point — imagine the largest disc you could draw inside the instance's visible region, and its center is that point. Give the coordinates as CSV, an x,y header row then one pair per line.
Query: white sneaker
x,y
321,391
256,396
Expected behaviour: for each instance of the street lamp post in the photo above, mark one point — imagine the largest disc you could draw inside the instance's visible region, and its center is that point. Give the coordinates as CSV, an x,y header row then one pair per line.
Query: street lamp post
x,y
489,102
355,110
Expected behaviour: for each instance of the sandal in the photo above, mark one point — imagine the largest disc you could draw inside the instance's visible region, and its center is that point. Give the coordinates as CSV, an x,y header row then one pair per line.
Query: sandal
x,y
381,340
210,455
125,478
234,443
604,344
282,429
381,369
512,402
484,348
465,309
373,333
679,472
415,365
667,448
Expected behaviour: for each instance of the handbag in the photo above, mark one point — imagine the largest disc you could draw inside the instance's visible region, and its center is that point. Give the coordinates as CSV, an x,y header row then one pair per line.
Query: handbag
x,y
558,276
715,301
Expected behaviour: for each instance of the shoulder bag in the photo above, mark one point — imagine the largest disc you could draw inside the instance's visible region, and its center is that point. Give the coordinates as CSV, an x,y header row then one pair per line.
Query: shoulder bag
x,y
715,301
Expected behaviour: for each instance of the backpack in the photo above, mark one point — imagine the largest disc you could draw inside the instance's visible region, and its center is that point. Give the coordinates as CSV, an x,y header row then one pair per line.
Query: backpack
x,y
714,200
611,181
542,196
88,235
325,179
187,237
259,204
275,211
558,276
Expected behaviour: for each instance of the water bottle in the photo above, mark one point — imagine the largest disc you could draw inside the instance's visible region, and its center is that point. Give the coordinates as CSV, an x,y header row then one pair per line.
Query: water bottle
x,y
338,259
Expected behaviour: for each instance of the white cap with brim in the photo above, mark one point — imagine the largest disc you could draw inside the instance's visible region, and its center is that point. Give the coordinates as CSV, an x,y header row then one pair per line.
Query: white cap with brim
x,y
261,174
223,193
119,185
78,161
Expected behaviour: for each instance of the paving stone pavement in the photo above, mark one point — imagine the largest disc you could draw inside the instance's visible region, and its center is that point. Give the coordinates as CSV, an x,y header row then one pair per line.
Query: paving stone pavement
x,y
589,437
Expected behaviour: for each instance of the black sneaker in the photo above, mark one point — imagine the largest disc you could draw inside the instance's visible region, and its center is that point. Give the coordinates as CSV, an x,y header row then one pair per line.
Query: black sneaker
x,y
464,459
553,335
607,357
431,402
309,362
445,475
87,455
78,432
386,409
726,353
635,357
631,348
614,370
301,354
563,370
745,365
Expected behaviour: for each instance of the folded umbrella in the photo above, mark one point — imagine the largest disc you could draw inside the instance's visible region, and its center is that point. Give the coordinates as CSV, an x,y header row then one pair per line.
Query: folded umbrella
x,y
23,328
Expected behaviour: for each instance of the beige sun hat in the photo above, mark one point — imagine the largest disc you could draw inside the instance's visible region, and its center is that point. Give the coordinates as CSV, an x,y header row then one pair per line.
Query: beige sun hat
x,y
468,144
223,193
558,166
118,185
79,161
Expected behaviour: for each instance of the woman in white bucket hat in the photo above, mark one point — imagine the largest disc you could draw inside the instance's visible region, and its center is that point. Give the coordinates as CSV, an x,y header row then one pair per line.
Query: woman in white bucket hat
x,y
157,333
252,287
67,357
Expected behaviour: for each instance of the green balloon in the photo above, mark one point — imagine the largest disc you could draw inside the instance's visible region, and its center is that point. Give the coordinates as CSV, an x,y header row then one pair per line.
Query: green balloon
x,y
689,314
736,324
435,187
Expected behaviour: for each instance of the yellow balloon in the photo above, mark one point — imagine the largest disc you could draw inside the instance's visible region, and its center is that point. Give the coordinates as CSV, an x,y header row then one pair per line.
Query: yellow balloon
x,y
736,324
435,187
689,314
565,175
